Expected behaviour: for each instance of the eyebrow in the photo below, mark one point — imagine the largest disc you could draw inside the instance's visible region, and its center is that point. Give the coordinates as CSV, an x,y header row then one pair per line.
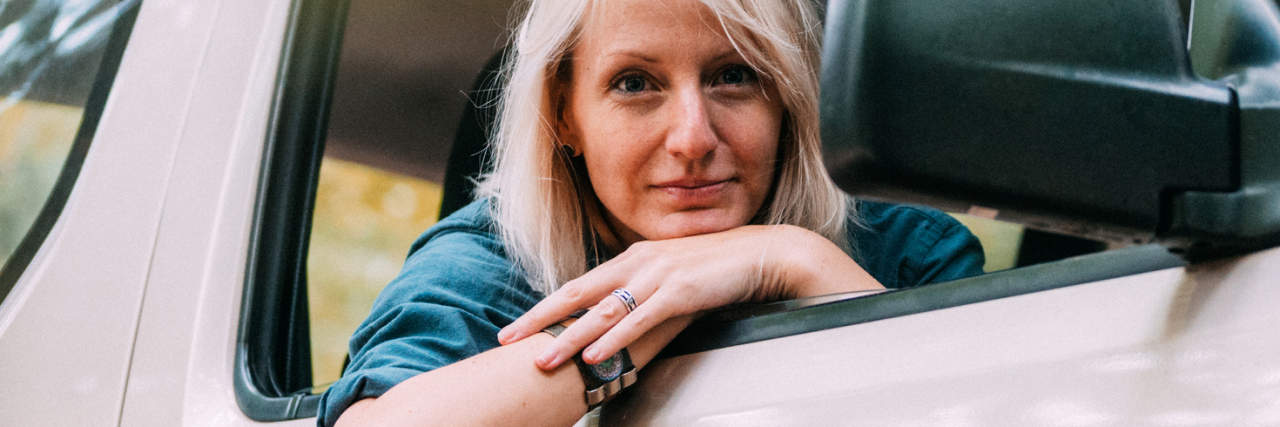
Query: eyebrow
x,y
725,54
647,58
634,54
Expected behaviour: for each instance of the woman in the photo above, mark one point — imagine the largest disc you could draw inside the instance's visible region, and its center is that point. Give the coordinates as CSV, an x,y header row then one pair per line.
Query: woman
x,y
658,159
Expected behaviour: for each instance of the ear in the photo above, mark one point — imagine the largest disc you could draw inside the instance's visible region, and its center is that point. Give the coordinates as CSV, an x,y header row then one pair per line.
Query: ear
x,y
566,129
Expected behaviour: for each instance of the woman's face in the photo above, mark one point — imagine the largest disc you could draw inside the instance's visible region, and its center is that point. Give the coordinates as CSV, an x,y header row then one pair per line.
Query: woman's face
x,y
679,135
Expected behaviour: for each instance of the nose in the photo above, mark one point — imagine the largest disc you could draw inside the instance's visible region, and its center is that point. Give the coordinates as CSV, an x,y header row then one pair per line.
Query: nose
x,y
692,136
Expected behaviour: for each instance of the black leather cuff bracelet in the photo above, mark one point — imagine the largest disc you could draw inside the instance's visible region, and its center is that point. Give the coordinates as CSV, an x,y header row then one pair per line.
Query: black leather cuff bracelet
x,y
604,380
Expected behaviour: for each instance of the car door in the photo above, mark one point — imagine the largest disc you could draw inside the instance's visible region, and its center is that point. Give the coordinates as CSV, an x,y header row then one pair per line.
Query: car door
x,y
939,103
123,309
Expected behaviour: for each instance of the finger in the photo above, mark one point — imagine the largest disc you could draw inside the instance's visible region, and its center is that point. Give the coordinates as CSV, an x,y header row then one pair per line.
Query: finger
x,y
595,323
573,296
551,309
630,328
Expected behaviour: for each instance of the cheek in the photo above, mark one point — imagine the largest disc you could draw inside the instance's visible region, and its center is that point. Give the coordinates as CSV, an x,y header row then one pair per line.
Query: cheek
x,y
615,158
753,136
611,152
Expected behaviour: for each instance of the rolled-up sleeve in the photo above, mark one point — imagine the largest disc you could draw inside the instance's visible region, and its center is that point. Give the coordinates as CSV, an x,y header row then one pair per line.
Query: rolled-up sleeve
x,y
955,254
454,293
904,246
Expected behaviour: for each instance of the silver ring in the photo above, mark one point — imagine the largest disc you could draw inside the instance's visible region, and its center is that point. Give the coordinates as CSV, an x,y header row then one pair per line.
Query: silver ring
x,y
626,298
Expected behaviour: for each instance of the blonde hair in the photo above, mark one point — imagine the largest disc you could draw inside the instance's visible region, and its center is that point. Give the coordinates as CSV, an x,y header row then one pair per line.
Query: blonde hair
x,y
544,210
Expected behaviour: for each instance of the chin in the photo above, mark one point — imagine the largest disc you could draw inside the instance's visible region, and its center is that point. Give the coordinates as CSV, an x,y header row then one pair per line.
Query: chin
x,y
684,224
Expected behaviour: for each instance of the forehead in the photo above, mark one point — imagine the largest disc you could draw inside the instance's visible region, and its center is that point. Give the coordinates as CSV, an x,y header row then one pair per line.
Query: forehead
x,y
646,24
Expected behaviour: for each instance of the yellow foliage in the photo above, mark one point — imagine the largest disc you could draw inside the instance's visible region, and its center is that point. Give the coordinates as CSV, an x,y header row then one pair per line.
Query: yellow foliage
x,y
35,138
364,221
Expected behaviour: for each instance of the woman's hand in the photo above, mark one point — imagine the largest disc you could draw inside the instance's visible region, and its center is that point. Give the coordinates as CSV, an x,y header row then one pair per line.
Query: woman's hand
x,y
684,276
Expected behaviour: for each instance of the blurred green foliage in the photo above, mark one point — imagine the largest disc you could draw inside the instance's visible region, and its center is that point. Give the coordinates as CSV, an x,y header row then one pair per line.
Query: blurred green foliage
x,y
35,138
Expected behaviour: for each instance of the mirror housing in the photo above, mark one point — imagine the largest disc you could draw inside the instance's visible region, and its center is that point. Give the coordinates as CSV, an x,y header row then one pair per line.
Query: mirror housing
x,y
1082,117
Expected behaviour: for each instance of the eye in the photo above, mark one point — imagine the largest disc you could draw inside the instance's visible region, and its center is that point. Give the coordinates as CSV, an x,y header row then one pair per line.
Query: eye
x,y
736,75
631,84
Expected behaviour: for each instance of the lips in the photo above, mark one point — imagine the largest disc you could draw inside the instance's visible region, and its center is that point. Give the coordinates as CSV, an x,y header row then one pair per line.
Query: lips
x,y
695,192
691,183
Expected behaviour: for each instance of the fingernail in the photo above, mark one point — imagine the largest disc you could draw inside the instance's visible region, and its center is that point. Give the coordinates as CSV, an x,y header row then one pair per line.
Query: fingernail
x,y
592,355
504,335
548,360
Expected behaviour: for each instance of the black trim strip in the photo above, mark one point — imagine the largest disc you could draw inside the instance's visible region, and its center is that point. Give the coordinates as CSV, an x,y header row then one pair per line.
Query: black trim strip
x,y
747,324
273,361
52,209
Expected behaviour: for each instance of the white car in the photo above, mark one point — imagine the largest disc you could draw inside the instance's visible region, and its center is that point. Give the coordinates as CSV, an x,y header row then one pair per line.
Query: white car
x,y
160,279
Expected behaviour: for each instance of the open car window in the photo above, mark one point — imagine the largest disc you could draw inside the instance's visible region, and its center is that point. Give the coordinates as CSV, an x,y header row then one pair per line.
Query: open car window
x,y
341,202
396,112
396,117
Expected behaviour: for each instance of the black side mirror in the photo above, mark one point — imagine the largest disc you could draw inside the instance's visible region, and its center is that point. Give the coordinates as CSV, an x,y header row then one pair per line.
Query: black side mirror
x,y
1084,117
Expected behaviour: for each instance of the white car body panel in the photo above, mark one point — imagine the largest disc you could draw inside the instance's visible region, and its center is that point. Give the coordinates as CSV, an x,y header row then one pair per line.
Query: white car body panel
x,y
1181,346
142,275
87,281
185,346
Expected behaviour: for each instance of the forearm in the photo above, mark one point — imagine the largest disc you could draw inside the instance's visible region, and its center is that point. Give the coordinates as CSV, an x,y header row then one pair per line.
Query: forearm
x,y
821,267
498,387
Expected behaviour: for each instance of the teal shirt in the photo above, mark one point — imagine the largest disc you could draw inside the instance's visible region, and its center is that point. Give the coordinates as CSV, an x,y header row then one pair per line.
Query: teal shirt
x,y
457,289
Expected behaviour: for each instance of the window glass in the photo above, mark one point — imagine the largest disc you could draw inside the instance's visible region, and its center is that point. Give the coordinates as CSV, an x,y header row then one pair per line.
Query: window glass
x,y
50,52
1009,245
365,218
403,81
1000,240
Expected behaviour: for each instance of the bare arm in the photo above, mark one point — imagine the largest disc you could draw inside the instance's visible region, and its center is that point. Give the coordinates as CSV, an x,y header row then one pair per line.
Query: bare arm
x,y
526,381
683,276
820,267
501,386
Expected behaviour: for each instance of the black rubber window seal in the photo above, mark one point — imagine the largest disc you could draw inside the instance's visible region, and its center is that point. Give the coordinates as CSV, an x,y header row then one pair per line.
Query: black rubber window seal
x,y
272,371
